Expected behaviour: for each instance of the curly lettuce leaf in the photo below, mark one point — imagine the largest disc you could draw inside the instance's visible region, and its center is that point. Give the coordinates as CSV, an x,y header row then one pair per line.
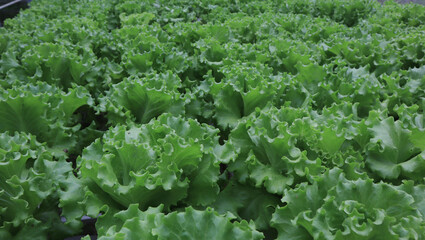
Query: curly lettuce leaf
x,y
277,148
141,99
165,161
45,112
248,203
188,224
242,89
394,151
56,63
333,207
33,186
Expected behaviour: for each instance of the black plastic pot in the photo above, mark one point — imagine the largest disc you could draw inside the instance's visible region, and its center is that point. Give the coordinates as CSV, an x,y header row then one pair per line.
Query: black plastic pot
x,y
12,10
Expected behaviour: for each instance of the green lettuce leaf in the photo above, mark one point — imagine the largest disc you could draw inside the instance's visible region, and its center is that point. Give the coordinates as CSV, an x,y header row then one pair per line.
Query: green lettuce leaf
x,y
166,161
140,100
33,186
188,224
242,89
394,151
277,148
45,112
333,207
248,203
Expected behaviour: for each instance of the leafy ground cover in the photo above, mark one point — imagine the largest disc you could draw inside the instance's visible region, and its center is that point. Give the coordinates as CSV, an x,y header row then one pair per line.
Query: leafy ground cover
x,y
407,1
217,119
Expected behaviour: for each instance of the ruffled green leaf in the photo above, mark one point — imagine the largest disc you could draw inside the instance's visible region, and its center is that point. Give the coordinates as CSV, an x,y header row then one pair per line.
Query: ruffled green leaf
x,y
43,111
277,148
392,153
247,203
333,207
140,100
31,190
190,224
163,162
242,89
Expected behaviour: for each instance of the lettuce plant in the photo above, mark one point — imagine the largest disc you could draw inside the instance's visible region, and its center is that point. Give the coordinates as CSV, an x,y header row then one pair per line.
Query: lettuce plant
x,y
168,161
141,99
188,224
45,112
333,207
33,187
213,119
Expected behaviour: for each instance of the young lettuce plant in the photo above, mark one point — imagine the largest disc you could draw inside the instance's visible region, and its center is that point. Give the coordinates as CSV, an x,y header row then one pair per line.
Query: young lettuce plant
x,y
45,112
141,99
242,89
32,188
333,207
169,160
277,148
396,152
190,223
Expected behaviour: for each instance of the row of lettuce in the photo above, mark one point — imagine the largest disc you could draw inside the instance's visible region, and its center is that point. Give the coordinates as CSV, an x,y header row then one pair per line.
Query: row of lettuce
x,y
213,120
